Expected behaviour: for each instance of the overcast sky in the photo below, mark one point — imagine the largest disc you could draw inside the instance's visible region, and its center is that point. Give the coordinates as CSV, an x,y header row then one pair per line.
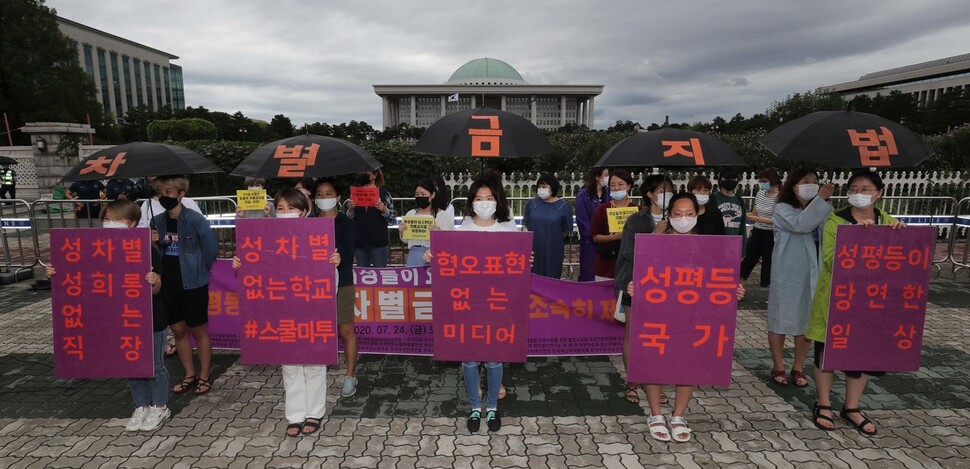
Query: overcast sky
x,y
316,61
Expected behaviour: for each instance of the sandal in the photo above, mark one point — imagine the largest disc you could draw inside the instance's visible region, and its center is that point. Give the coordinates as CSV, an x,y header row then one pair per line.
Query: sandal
x,y
294,426
203,383
658,428
310,426
185,385
817,414
681,432
170,351
631,395
798,376
776,374
663,397
861,426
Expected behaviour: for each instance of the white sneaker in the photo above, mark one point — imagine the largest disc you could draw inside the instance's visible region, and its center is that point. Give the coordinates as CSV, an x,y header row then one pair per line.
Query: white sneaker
x,y
155,417
137,419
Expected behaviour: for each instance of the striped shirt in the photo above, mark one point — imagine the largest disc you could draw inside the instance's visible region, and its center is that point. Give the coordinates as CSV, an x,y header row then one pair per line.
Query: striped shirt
x,y
764,206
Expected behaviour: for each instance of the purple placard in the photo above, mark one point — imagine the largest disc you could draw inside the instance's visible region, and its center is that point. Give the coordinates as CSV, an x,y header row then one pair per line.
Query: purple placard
x,y
684,309
480,295
393,310
287,291
224,324
573,318
880,280
102,304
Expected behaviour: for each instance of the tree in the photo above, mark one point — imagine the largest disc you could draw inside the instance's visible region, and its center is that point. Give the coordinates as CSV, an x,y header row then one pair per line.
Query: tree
x,y
279,128
40,78
192,128
802,104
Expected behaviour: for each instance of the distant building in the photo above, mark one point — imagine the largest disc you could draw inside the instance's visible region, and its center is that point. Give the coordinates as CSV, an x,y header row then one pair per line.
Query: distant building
x,y
126,73
494,84
925,81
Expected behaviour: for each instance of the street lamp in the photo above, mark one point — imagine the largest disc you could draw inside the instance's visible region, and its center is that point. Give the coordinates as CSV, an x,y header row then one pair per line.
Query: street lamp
x,y
41,144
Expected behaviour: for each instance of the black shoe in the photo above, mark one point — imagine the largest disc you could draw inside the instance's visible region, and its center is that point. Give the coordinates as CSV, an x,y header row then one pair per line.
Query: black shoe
x,y
493,421
475,421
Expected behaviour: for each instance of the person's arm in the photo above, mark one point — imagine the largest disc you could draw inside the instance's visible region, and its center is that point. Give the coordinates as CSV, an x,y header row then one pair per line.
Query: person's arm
x,y
583,213
525,215
207,241
786,218
567,220
599,228
390,213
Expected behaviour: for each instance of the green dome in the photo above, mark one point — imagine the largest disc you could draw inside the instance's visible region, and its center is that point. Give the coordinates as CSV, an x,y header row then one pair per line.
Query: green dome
x,y
486,71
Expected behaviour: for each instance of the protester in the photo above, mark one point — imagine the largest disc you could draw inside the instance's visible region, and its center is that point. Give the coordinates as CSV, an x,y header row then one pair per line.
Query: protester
x,y
305,186
732,207
865,190
268,210
802,207
149,394
189,248
550,219
608,243
8,183
442,198
373,242
86,190
657,192
592,194
151,207
304,386
327,200
485,209
762,240
710,220
424,195
682,221
121,188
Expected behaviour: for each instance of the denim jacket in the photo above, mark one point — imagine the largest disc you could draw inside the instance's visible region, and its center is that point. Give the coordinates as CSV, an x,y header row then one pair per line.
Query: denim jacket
x,y
197,246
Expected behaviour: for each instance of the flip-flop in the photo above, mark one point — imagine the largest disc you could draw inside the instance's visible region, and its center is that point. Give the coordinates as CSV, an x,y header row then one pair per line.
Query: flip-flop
x,y
775,374
312,425
294,426
797,375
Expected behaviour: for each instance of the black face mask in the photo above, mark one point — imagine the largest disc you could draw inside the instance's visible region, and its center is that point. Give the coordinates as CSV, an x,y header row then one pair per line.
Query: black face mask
x,y
422,202
168,203
363,179
729,185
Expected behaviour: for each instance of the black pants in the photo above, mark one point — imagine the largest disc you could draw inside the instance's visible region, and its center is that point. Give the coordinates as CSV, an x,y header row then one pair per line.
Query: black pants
x,y
760,245
8,190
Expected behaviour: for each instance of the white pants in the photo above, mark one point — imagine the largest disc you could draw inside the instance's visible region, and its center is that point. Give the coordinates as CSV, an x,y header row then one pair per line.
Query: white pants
x,y
305,391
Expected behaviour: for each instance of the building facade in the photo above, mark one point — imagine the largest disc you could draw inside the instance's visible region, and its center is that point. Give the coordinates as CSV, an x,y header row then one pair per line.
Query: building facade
x,y
490,83
925,81
127,74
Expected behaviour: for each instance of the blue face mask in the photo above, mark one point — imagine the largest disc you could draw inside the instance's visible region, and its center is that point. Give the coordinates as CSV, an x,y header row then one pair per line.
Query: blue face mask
x,y
617,195
764,185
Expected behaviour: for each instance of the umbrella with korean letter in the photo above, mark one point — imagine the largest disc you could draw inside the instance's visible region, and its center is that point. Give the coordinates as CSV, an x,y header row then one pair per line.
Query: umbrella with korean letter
x,y
668,147
140,159
306,155
484,133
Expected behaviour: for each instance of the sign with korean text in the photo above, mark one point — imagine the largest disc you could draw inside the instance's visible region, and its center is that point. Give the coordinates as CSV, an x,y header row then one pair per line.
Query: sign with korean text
x,y
880,278
102,303
251,199
480,295
365,196
573,318
616,217
684,309
419,228
287,291
224,326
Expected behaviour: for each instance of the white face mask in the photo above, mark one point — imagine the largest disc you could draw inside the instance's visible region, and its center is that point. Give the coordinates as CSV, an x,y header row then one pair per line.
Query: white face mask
x,y
288,215
326,204
663,199
605,181
702,199
114,224
544,193
617,195
683,224
485,209
806,191
860,200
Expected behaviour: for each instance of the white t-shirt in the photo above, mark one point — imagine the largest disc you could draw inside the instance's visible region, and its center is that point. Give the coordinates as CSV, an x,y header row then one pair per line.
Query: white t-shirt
x,y
157,209
469,225
441,219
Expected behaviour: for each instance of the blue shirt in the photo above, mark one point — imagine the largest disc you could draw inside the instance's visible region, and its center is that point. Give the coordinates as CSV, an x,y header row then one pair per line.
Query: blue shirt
x,y
548,222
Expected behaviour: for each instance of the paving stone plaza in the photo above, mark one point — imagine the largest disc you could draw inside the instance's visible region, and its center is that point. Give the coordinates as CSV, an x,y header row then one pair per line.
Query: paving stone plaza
x,y
410,411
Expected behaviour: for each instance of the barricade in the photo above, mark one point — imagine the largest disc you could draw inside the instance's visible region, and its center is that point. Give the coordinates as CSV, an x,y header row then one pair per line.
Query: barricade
x,y
959,251
61,213
16,233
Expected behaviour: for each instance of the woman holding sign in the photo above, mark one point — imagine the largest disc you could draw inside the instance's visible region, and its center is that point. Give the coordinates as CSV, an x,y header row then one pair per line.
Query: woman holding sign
x,y
865,189
551,221
304,386
801,209
417,223
372,209
607,238
682,221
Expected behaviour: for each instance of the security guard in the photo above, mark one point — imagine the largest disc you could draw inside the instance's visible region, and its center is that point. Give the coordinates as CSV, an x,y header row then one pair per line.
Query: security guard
x,y
86,190
121,188
8,182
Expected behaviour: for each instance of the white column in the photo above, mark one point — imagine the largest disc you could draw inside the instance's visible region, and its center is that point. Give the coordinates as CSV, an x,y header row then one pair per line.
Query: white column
x,y
535,103
562,110
444,104
592,115
473,102
503,102
386,111
414,111
580,117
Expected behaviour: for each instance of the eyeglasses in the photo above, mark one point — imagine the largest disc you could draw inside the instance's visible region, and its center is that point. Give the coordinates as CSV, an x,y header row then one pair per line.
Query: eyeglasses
x,y
866,190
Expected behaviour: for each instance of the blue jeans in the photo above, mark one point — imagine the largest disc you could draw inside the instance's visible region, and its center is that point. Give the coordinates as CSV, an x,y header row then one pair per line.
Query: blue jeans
x,y
493,374
152,391
416,256
372,257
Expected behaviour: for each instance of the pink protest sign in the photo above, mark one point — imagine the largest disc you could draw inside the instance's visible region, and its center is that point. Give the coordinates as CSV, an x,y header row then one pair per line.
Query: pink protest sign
x,y
224,326
880,277
365,196
684,309
102,303
287,291
480,295
573,318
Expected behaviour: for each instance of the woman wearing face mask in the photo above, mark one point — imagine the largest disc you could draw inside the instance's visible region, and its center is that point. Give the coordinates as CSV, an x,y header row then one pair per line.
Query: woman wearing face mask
x,y
608,243
327,201
801,209
762,240
424,196
373,242
304,386
150,394
268,211
442,201
593,194
682,221
865,189
710,220
550,219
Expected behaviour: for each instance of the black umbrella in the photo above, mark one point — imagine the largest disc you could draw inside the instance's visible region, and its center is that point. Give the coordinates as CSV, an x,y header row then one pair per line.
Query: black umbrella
x,y
140,159
306,155
486,133
5,160
847,139
669,147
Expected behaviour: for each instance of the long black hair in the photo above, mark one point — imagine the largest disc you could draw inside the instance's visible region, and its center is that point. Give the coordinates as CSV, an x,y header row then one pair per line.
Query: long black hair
x,y
493,184
786,194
